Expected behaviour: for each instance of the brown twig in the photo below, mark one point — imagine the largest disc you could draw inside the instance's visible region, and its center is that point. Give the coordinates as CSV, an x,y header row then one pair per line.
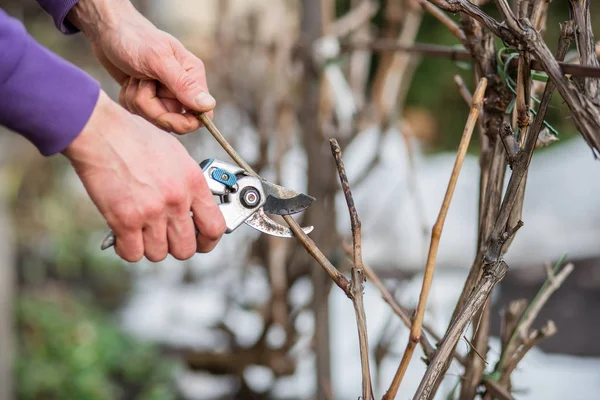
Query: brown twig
x,y
391,93
306,241
415,333
444,19
473,303
532,340
454,54
480,44
358,275
403,313
354,19
554,282
463,89
510,320
520,332
400,311
494,269
522,34
584,38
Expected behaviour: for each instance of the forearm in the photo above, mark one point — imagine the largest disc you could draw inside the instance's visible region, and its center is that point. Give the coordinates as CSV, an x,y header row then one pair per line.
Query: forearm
x,y
42,97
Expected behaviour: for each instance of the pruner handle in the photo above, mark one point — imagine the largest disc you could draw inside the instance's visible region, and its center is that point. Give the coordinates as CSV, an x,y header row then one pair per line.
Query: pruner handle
x,y
240,195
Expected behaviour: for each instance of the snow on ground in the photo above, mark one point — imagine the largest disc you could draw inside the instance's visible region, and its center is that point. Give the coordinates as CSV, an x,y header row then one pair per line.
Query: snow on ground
x,y
560,212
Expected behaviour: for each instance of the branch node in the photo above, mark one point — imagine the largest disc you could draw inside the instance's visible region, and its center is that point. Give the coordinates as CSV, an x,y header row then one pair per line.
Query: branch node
x,y
510,144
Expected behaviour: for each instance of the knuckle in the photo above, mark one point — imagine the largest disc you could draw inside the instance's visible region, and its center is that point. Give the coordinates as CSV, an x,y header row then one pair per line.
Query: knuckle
x,y
185,251
127,215
186,126
185,82
139,100
153,210
176,198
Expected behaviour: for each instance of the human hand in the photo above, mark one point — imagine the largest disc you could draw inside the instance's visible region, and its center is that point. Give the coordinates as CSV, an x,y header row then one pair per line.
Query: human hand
x,y
137,54
145,184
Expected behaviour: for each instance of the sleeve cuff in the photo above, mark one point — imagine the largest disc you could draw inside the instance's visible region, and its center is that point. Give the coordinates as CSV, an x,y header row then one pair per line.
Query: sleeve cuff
x,y
59,9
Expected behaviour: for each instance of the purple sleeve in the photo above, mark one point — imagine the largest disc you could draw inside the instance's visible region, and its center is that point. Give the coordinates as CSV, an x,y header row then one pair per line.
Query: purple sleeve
x,y
59,9
42,97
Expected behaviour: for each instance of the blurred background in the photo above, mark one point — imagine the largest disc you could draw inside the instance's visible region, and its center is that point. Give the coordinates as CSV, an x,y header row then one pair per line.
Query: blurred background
x,y
257,318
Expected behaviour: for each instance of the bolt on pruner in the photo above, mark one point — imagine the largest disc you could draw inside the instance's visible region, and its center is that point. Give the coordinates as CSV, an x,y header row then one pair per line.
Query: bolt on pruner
x,y
246,199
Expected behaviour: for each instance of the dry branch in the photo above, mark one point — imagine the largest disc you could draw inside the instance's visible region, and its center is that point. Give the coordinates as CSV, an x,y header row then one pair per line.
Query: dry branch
x,y
352,289
501,229
463,89
399,310
444,19
415,332
532,340
474,302
403,313
521,34
306,241
358,276
354,19
520,339
554,282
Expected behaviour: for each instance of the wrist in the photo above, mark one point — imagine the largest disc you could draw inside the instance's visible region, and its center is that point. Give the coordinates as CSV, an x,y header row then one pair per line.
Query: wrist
x,y
92,17
95,131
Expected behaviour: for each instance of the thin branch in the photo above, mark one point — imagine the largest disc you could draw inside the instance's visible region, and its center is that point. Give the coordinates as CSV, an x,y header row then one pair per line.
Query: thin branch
x,y
400,311
358,276
437,367
306,241
533,340
523,34
474,349
511,19
523,95
463,89
444,19
393,90
403,313
552,283
510,321
584,38
494,270
415,333
510,144
538,12
354,19
454,54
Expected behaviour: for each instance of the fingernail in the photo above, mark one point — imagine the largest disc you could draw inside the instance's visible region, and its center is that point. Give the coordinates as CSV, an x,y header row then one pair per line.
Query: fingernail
x,y
205,101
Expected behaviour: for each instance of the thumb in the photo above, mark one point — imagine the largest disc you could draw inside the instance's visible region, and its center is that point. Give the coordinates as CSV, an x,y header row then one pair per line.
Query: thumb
x,y
187,84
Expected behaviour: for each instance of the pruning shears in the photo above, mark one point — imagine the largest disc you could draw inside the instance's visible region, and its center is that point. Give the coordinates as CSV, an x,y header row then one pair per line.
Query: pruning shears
x,y
246,199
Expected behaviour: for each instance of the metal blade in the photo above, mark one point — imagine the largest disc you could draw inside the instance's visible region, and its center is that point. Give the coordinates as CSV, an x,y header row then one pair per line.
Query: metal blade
x,y
261,222
282,201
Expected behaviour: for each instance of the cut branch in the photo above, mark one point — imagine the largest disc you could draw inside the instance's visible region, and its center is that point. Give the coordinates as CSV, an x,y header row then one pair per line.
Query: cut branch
x,y
358,275
306,241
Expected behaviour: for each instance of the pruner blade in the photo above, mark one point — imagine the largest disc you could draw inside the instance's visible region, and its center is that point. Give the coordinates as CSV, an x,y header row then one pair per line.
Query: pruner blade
x,y
261,222
283,201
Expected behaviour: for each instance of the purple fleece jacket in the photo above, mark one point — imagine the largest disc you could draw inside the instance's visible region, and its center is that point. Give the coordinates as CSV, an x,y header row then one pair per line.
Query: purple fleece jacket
x,y
42,96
